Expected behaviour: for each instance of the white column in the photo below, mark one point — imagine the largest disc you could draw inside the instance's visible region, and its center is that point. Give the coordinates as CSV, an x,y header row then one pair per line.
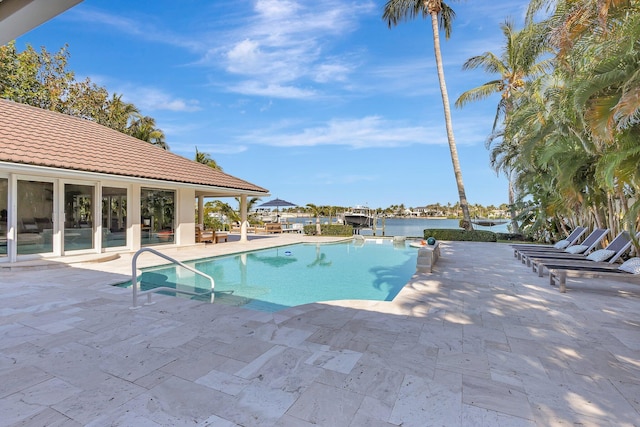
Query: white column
x,y
243,218
134,232
200,210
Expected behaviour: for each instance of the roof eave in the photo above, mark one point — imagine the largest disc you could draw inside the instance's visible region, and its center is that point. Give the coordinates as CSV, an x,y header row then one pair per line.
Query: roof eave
x,y
200,189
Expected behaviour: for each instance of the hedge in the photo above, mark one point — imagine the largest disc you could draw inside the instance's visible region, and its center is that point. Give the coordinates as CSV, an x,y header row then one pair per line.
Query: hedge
x,y
329,230
460,235
519,237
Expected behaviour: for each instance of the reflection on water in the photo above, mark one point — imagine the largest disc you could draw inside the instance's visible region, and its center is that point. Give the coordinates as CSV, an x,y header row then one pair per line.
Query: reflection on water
x,y
410,227
273,279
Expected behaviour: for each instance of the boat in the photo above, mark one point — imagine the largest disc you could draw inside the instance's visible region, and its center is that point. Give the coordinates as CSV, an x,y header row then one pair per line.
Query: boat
x,y
359,217
488,222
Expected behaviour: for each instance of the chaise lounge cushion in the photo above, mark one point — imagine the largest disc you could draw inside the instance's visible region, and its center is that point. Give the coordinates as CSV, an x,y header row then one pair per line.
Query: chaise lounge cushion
x,y
562,244
601,255
632,265
576,249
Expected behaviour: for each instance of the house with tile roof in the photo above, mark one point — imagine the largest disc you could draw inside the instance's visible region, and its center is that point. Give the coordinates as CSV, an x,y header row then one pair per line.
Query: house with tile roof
x,y
71,186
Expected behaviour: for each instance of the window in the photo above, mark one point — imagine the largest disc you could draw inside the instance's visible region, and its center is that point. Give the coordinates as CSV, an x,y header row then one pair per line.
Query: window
x,y
157,220
78,217
4,215
34,219
114,217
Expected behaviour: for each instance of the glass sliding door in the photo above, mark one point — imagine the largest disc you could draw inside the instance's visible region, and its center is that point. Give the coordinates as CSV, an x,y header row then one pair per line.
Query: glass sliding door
x,y
157,217
78,217
4,215
34,218
114,217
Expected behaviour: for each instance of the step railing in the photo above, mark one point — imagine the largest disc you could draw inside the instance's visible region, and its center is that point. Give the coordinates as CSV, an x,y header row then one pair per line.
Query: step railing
x,y
148,293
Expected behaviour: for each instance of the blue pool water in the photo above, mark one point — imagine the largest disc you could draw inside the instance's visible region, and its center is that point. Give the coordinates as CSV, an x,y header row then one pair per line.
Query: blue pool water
x,y
274,279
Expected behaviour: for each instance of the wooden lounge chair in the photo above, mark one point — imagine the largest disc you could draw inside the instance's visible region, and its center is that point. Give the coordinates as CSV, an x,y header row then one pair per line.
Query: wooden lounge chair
x,y
571,239
210,236
220,236
628,271
614,250
589,244
275,227
202,235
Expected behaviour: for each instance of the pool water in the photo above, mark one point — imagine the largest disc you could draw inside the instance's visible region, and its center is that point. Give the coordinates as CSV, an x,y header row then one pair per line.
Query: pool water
x,y
278,278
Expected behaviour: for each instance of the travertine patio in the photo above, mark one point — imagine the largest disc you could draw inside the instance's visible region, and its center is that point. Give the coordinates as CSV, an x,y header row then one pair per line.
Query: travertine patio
x,y
480,341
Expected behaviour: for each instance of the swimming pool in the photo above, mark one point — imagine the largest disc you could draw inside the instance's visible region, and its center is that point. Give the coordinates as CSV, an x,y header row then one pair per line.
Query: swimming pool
x,y
278,278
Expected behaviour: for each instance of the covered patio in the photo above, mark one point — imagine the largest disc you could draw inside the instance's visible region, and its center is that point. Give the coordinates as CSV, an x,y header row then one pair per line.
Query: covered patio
x,y
70,186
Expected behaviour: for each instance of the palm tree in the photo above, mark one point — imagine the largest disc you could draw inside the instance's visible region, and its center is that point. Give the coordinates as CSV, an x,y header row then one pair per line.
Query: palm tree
x,y
516,64
206,159
317,212
144,128
250,204
119,114
227,211
441,16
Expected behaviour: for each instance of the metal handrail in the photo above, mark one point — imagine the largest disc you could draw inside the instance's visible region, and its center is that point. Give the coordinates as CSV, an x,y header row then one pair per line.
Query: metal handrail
x,y
148,293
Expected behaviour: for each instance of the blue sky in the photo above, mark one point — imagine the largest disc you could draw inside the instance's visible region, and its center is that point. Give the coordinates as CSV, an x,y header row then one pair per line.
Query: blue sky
x,y
317,101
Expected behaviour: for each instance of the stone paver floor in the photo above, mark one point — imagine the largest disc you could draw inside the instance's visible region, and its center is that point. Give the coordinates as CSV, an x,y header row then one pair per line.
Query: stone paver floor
x,y
481,341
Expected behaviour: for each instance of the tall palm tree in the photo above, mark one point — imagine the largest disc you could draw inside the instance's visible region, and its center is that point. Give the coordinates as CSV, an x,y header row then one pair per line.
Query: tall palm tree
x,y
316,211
206,159
144,128
119,114
441,16
516,64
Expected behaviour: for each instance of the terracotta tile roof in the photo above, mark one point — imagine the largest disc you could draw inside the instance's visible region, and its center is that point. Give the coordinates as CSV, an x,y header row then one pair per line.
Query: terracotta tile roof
x,y
33,136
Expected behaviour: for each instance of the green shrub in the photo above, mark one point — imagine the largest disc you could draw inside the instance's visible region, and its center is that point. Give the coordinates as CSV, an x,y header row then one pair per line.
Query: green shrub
x,y
460,235
518,237
329,230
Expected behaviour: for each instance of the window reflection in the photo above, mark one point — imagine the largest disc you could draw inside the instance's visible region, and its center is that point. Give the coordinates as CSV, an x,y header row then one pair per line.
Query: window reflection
x,y
114,217
4,215
157,209
78,217
34,224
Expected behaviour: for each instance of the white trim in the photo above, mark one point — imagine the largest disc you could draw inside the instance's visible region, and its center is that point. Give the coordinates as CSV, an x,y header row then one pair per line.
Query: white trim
x,y
208,190
20,16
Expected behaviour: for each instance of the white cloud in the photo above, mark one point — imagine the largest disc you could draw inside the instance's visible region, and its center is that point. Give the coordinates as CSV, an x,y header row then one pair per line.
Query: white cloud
x,y
367,132
331,72
141,28
153,99
226,149
285,42
276,8
259,88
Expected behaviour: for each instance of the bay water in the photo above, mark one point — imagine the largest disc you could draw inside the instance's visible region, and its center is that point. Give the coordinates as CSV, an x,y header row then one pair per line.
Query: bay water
x,y
409,227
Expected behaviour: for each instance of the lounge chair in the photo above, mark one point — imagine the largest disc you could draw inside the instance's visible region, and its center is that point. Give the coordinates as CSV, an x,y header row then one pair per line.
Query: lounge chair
x,y
589,243
628,271
220,236
203,236
210,236
571,239
269,228
610,255
274,227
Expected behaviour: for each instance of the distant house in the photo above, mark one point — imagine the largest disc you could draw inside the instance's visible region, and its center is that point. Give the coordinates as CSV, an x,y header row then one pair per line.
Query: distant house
x,y
71,186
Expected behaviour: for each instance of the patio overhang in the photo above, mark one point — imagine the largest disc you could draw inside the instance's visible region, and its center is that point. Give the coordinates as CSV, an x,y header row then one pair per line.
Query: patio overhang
x,y
200,190
19,16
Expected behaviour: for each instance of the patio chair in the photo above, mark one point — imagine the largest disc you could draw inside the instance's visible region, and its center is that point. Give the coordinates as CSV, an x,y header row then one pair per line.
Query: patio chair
x,y
628,271
202,235
587,245
570,240
220,236
610,255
